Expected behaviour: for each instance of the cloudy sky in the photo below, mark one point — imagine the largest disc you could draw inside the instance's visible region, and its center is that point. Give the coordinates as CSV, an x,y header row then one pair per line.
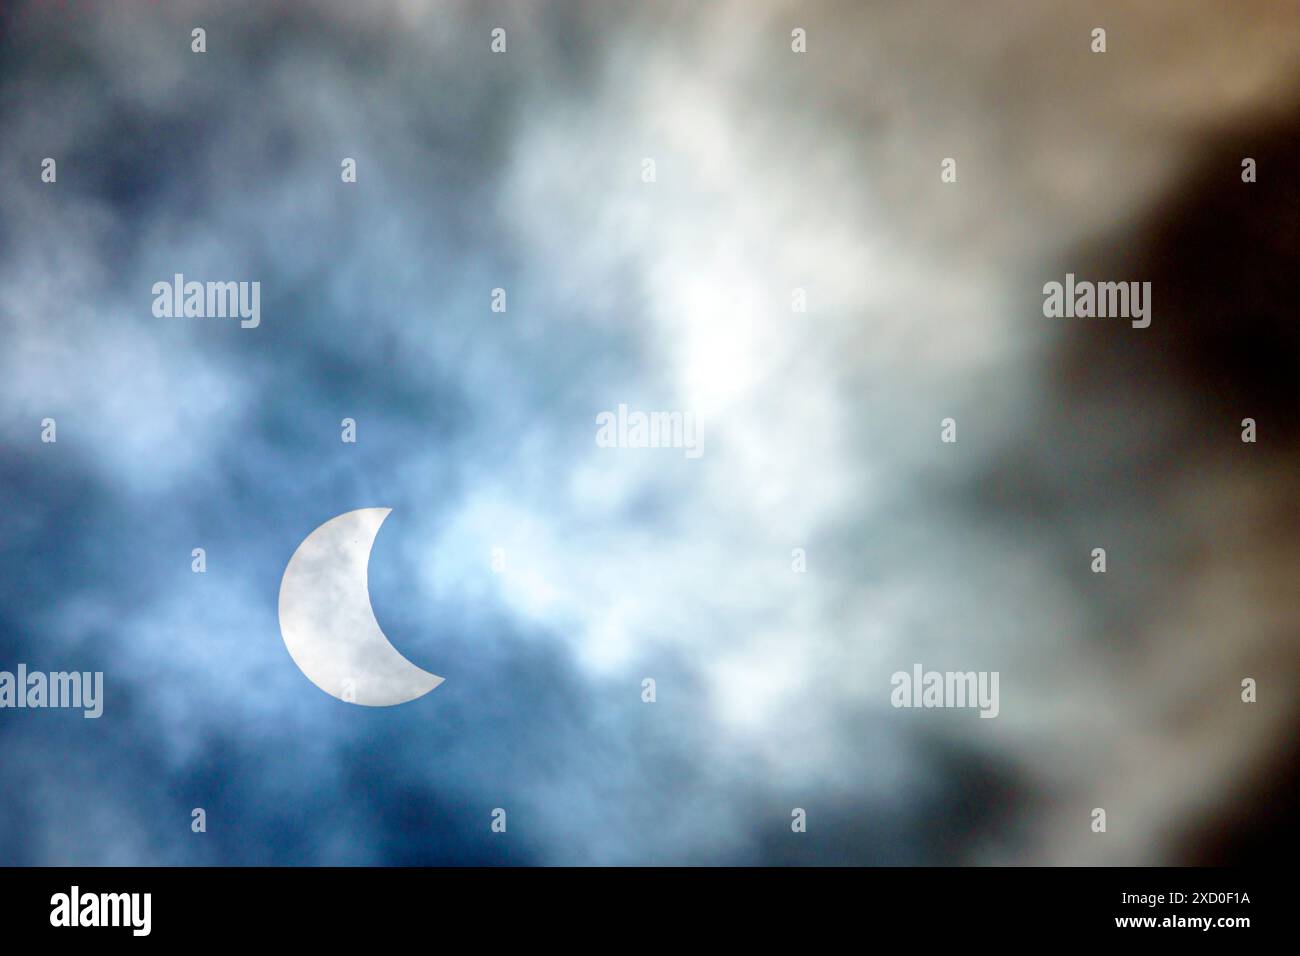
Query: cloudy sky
x,y
774,172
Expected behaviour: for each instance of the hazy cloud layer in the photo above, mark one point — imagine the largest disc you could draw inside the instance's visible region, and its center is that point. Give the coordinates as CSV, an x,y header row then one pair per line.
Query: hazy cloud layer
x,y
820,430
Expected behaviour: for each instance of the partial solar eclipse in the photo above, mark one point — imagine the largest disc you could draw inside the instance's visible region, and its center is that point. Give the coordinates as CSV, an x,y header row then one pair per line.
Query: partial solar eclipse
x,y
327,622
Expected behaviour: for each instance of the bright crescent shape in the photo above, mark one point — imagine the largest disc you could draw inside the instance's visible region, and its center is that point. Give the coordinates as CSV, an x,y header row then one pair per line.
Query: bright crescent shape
x,y
327,622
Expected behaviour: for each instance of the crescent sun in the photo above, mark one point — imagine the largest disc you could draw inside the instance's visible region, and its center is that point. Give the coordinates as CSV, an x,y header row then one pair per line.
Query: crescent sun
x,y
327,622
